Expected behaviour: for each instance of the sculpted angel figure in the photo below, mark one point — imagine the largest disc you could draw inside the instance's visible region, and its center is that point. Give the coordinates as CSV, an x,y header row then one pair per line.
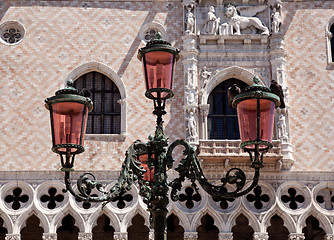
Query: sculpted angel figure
x,y
211,23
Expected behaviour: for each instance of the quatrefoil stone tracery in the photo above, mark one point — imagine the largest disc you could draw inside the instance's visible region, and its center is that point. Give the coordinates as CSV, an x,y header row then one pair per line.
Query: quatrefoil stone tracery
x,y
293,198
16,199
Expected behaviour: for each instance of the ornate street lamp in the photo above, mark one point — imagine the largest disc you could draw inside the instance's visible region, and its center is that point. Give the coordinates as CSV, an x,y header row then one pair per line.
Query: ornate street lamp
x,y
68,112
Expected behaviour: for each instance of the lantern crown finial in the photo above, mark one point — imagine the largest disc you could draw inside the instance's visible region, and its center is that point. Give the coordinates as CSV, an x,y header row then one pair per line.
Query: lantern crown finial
x,y
158,36
256,80
69,83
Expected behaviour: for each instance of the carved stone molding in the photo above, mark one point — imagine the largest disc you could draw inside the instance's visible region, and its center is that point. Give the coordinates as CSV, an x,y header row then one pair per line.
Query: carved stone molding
x,y
85,236
151,235
190,236
225,236
296,236
120,236
260,236
13,237
329,237
49,236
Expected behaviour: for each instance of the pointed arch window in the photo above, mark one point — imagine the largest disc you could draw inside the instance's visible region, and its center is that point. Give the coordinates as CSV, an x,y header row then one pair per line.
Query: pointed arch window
x,y
223,120
106,115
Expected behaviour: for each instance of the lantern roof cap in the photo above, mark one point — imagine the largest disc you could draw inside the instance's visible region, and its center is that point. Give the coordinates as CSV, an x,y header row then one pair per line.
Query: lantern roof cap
x,y
158,44
256,91
70,94
256,86
69,89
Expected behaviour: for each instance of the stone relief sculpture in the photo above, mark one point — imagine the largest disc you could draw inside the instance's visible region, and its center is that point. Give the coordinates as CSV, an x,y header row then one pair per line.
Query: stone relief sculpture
x,y
276,19
211,23
191,95
190,19
236,23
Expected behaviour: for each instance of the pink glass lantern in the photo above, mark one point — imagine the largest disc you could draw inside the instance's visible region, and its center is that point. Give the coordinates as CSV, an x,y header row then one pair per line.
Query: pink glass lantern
x,y
68,115
256,109
158,58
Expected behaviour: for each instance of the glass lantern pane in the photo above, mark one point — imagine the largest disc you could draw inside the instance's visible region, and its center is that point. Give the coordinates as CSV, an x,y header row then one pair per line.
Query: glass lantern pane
x,y
159,70
148,176
247,116
67,123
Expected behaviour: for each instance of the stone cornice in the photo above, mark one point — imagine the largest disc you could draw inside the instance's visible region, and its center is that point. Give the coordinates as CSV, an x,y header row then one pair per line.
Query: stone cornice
x,y
110,176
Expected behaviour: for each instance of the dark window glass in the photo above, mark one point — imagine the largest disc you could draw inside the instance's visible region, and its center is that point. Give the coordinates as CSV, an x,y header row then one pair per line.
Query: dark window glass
x,y
106,115
223,120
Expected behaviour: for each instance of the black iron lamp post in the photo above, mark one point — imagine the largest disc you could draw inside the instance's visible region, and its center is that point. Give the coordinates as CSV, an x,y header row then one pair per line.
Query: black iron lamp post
x,y
68,112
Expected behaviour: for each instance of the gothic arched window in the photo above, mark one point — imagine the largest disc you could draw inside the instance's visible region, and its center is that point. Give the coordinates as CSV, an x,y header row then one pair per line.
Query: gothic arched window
x,y
223,120
106,115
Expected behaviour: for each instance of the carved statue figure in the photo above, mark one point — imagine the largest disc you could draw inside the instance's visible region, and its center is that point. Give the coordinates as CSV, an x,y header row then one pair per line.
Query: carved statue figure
x,y
276,19
237,23
282,131
211,23
205,75
190,21
192,127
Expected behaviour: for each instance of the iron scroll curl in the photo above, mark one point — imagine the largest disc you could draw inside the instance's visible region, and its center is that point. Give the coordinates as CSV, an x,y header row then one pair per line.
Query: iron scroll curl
x,y
190,168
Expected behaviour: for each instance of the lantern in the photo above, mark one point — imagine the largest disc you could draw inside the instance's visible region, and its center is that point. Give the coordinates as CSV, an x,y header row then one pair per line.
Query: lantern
x,y
158,58
256,108
148,176
68,116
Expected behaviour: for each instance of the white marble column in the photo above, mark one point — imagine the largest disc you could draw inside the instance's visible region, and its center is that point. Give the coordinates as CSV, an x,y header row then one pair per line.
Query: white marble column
x,y
204,112
189,54
278,69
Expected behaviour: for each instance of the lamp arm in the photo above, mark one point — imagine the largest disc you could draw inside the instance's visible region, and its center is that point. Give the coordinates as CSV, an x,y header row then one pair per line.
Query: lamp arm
x,y
190,168
131,171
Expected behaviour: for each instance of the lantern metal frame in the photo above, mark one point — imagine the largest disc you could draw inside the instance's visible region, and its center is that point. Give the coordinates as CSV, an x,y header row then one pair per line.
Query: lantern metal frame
x,y
155,194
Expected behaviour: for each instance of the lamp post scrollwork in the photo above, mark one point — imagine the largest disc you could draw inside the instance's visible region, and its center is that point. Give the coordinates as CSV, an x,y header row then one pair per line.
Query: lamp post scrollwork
x,y
68,113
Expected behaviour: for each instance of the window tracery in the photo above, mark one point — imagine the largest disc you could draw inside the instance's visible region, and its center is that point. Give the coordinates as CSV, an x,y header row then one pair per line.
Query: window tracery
x,y
105,117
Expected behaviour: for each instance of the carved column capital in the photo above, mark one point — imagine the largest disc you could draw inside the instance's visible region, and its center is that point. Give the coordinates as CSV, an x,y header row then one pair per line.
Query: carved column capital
x,y
329,237
204,109
49,236
151,235
85,236
296,236
225,236
190,236
13,237
120,236
260,236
